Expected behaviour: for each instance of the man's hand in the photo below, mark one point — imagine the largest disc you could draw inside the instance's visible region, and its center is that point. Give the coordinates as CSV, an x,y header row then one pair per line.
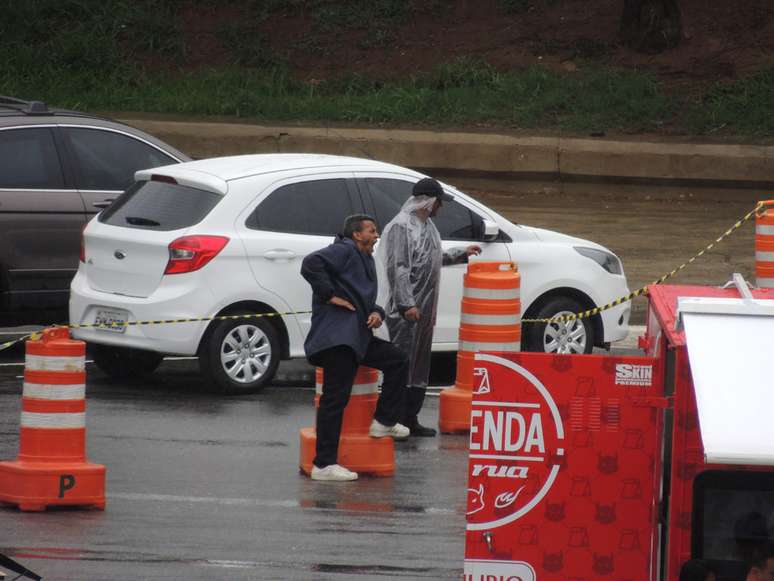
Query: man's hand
x,y
412,314
473,250
339,302
374,320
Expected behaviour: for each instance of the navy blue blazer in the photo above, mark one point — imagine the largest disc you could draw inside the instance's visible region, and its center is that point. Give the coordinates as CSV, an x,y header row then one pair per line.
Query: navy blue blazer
x,y
340,269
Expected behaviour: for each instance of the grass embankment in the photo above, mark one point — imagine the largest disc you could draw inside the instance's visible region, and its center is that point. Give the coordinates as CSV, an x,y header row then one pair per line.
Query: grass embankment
x,y
96,55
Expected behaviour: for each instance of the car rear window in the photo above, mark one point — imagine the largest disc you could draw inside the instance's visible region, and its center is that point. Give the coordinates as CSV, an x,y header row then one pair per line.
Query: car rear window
x,y
159,206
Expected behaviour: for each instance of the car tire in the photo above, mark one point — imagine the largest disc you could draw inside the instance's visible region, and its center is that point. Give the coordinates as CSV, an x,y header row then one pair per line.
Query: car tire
x,y
240,355
124,362
575,336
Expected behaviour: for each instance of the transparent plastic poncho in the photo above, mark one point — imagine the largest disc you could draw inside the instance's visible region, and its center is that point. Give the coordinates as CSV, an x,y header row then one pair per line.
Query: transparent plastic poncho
x,y
410,257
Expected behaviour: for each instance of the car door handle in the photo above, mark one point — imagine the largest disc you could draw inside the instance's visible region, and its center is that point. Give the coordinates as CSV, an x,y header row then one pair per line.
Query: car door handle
x,y
279,254
104,204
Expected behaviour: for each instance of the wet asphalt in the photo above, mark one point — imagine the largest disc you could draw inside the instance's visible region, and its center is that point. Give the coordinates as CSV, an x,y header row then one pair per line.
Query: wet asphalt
x,y
201,486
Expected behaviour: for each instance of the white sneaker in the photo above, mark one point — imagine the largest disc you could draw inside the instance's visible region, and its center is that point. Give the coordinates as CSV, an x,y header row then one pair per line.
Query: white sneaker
x,y
396,432
333,472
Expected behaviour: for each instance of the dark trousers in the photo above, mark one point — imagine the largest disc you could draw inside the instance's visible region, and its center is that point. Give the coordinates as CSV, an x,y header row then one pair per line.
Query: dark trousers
x,y
339,368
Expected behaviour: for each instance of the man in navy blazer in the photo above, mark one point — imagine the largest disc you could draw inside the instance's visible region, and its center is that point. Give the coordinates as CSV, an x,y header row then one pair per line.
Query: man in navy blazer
x,y
344,314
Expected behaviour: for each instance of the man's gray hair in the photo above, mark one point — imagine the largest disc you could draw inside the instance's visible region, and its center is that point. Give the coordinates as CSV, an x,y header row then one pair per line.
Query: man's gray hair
x,y
354,223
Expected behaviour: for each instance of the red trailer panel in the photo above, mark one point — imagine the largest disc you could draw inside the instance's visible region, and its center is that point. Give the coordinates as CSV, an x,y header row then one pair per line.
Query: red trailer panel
x,y
585,467
564,467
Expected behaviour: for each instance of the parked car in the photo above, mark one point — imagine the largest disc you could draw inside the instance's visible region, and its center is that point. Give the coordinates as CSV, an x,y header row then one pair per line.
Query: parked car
x,y
57,169
227,236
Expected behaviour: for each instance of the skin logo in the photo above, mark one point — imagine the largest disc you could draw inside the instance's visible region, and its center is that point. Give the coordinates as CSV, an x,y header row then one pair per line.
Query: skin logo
x,y
628,374
516,438
483,384
506,499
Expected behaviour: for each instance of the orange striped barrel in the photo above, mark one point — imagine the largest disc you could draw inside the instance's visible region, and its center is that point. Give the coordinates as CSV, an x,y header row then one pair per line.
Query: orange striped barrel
x,y
362,400
357,450
490,321
53,417
764,246
51,468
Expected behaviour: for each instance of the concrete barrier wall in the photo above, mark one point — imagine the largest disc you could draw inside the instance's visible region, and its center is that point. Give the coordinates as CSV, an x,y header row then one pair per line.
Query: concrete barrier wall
x,y
741,166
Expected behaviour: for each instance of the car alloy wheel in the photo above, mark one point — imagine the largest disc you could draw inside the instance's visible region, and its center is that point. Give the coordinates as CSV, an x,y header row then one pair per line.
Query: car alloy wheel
x,y
240,355
565,336
574,336
245,353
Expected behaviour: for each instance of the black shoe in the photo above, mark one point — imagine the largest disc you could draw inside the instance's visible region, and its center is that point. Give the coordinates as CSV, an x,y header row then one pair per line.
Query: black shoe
x,y
419,431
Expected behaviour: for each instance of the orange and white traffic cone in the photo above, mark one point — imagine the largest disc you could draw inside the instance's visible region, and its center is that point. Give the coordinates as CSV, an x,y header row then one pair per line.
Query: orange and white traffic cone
x,y
358,451
764,246
51,468
490,321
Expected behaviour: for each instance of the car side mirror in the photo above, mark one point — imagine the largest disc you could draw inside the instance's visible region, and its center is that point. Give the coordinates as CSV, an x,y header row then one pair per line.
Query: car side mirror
x,y
491,230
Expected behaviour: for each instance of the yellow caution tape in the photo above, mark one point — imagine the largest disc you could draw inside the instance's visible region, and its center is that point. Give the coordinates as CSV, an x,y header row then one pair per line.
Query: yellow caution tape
x,y
190,320
7,344
35,336
644,290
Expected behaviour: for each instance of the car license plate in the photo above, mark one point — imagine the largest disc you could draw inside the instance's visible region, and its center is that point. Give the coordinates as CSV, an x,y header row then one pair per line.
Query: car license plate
x,y
114,321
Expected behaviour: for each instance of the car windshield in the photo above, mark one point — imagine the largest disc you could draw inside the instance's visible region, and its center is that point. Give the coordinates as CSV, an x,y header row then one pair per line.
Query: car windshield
x,y
159,206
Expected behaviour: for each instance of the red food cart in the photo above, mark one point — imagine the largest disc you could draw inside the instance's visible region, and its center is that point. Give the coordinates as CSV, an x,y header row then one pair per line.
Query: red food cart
x,y
622,467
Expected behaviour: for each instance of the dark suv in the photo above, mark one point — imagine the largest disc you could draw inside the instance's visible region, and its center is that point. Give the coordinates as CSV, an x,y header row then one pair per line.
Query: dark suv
x,y
57,169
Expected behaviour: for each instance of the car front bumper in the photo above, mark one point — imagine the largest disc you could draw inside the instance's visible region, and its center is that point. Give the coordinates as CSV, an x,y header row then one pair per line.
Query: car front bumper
x,y
616,322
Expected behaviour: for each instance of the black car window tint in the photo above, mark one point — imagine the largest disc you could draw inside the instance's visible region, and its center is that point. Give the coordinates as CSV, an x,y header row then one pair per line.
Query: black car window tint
x,y
454,221
28,159
388,196
312,207
107,160
159,206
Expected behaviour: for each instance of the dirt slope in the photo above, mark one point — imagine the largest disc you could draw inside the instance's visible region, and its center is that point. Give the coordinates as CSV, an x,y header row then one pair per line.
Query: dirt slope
x,y
323,39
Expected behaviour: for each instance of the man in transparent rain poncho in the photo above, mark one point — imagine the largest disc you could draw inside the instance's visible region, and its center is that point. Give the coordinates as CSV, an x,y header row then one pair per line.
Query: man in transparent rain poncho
x,y
412,256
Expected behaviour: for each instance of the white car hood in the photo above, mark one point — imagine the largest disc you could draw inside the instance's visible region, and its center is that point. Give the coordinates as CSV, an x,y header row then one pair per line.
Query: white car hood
x,y
552,237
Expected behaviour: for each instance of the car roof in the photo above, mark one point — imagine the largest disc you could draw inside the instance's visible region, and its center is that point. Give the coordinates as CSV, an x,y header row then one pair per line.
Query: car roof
x,y
241,166
13,107
17,112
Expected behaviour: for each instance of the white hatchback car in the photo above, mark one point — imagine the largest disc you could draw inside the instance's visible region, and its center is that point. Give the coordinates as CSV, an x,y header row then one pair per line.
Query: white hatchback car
x,y
227,236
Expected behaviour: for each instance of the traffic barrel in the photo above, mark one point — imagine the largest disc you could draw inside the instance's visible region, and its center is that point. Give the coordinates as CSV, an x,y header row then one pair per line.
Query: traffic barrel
x,y
490,321
51,468
358,451
764,246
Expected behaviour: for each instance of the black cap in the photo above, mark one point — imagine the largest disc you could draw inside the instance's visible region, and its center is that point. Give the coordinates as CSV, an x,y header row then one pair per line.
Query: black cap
x,y
430,187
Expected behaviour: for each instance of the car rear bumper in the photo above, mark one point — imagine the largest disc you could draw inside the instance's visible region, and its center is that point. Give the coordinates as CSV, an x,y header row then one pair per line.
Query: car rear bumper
x,y
174,302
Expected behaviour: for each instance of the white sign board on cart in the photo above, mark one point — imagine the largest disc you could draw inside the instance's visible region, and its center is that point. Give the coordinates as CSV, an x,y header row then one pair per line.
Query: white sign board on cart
x,y
731,351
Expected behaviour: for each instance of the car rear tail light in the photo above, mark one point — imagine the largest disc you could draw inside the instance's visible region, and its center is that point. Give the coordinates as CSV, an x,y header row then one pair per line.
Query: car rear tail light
x,y
191,253
82,256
